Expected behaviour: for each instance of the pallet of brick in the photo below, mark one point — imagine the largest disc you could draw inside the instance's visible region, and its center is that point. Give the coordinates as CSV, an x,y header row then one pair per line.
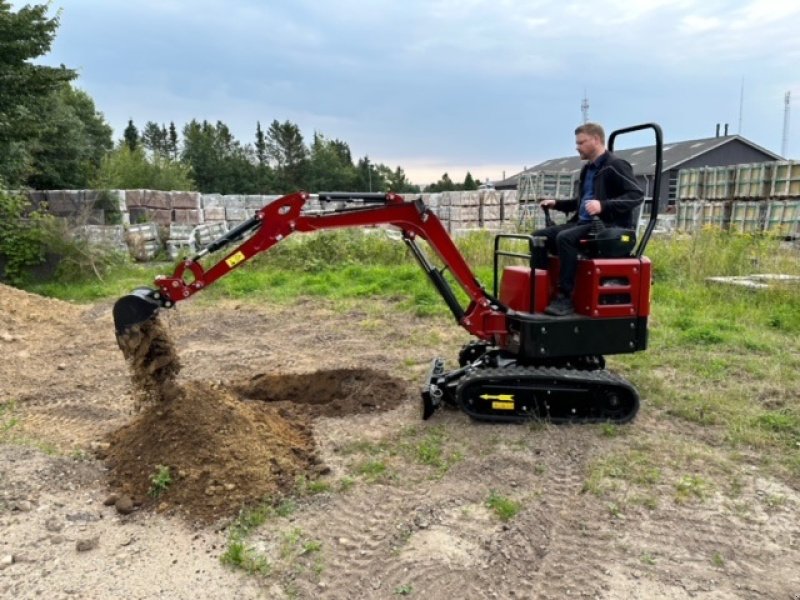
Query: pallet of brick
x,y
233,201
490,197
185,216
208,232
718,183
781,217
259,201
785,179
492,212
134,198
464,198
63,203
161,216
185,200
753,181
143,241
237,215
181,240
112,236
213,214
158,199
747,216
690,184
212,201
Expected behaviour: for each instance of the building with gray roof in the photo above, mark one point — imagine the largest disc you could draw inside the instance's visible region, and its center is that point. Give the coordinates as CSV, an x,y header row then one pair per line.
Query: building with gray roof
x,y
717,151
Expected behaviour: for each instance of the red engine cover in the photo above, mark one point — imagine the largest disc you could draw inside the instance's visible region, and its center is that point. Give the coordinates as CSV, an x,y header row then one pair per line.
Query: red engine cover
x,y
613,287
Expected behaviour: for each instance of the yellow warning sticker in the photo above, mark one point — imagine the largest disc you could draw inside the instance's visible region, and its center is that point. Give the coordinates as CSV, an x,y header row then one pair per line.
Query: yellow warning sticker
x,y
235,259
496,405
501,397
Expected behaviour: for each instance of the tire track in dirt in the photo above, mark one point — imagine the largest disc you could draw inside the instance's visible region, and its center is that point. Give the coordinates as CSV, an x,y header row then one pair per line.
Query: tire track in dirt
x,y
753,549
534,555
358,532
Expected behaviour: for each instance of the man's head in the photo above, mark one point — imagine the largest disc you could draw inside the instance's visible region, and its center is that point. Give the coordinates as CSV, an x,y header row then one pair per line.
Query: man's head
x,y
590,140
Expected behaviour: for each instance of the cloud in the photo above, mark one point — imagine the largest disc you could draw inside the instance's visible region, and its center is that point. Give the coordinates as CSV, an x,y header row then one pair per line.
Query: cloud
x,y
695,24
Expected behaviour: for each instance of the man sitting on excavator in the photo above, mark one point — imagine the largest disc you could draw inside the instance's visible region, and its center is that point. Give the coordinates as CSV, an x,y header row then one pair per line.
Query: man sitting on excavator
x,y
607,189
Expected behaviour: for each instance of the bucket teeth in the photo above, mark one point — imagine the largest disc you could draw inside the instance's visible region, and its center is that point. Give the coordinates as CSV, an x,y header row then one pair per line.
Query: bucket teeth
x,y
137,307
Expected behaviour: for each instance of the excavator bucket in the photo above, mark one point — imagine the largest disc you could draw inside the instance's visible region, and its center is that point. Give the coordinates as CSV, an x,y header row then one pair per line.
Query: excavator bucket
x,y
134,309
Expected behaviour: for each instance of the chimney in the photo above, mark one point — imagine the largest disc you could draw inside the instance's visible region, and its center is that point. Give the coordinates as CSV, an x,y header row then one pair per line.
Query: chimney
x,y
726,129
717,130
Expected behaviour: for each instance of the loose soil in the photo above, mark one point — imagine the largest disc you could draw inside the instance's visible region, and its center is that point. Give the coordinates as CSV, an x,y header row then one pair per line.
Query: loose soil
x,y
255,403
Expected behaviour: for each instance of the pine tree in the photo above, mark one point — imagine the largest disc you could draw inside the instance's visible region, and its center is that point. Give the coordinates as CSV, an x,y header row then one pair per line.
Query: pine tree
x,y
25,88
173,141
261,145
131,136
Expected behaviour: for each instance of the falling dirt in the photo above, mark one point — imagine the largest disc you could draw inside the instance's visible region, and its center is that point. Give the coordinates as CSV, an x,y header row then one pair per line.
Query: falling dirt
x,y
152,359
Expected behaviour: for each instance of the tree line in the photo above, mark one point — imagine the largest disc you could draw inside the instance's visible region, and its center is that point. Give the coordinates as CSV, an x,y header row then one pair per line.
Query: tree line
x,y
53,137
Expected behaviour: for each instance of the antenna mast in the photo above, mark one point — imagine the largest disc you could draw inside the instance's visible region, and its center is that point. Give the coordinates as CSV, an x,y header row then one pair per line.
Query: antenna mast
x,y
787,100
585,107
741,107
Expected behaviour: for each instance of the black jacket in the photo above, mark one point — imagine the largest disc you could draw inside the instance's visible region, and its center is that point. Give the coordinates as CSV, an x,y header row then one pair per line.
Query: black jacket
x,y
615,187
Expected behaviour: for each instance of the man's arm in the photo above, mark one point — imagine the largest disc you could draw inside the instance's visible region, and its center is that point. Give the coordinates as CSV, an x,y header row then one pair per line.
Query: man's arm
x,y
622,190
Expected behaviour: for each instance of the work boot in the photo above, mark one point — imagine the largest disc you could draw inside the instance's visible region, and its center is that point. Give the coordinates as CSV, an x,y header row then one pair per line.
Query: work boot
x,y
560,306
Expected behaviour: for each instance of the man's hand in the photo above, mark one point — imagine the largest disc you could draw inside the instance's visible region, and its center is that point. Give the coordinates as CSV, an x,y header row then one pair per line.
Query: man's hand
x,y
593,207
549,203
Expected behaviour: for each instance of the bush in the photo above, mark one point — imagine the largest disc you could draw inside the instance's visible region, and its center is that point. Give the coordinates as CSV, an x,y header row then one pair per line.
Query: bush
x,y
23,234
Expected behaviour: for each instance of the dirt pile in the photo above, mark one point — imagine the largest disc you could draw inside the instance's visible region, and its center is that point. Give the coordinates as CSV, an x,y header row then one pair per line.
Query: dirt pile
x,y
221,453
206,451
23,314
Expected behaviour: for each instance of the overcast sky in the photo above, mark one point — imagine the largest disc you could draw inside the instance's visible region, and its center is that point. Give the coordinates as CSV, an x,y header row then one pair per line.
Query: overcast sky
x,y
441,86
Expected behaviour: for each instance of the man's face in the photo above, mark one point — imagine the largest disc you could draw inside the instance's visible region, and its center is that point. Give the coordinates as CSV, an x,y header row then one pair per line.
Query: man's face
x,y
588,146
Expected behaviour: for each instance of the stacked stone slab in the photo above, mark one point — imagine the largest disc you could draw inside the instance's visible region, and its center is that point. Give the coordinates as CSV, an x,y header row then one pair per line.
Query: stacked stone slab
x,y
748,198
181,240
164,207
143,240
112,236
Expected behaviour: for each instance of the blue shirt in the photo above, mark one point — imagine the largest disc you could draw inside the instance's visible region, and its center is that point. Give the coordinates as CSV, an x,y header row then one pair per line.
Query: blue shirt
x,y
587,193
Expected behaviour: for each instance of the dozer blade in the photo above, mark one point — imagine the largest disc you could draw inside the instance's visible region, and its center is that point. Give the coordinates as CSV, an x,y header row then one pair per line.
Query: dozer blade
x,y
134,309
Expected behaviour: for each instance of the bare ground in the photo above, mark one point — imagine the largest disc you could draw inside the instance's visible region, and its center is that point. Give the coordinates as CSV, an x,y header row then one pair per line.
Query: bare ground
x,y
402,504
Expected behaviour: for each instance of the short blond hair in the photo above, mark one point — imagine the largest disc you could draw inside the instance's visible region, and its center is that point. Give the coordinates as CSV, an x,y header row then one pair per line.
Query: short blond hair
x,y
594,129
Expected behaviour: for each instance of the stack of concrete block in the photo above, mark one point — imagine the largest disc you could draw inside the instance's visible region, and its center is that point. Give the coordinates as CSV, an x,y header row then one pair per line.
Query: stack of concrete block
x,y
235,210
112,236
148,206
78,205
143,241
213,208
180,241
186,208
208,232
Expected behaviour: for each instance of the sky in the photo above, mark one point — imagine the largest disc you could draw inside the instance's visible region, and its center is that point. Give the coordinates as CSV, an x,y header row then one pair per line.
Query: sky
x,y
436,86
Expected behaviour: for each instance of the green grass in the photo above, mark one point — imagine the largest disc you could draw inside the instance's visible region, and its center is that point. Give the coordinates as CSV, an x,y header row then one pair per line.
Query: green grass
x,y
722,358
505,508
160,480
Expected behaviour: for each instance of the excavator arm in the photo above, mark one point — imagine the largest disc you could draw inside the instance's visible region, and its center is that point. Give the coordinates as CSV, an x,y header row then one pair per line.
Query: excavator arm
x,y
484,317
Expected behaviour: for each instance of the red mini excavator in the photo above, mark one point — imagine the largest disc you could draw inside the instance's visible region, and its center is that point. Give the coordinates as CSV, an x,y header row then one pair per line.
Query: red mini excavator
x,y
522,364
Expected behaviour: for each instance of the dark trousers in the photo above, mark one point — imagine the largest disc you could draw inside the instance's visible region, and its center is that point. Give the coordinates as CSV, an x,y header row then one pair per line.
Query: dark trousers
x,y
563,240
